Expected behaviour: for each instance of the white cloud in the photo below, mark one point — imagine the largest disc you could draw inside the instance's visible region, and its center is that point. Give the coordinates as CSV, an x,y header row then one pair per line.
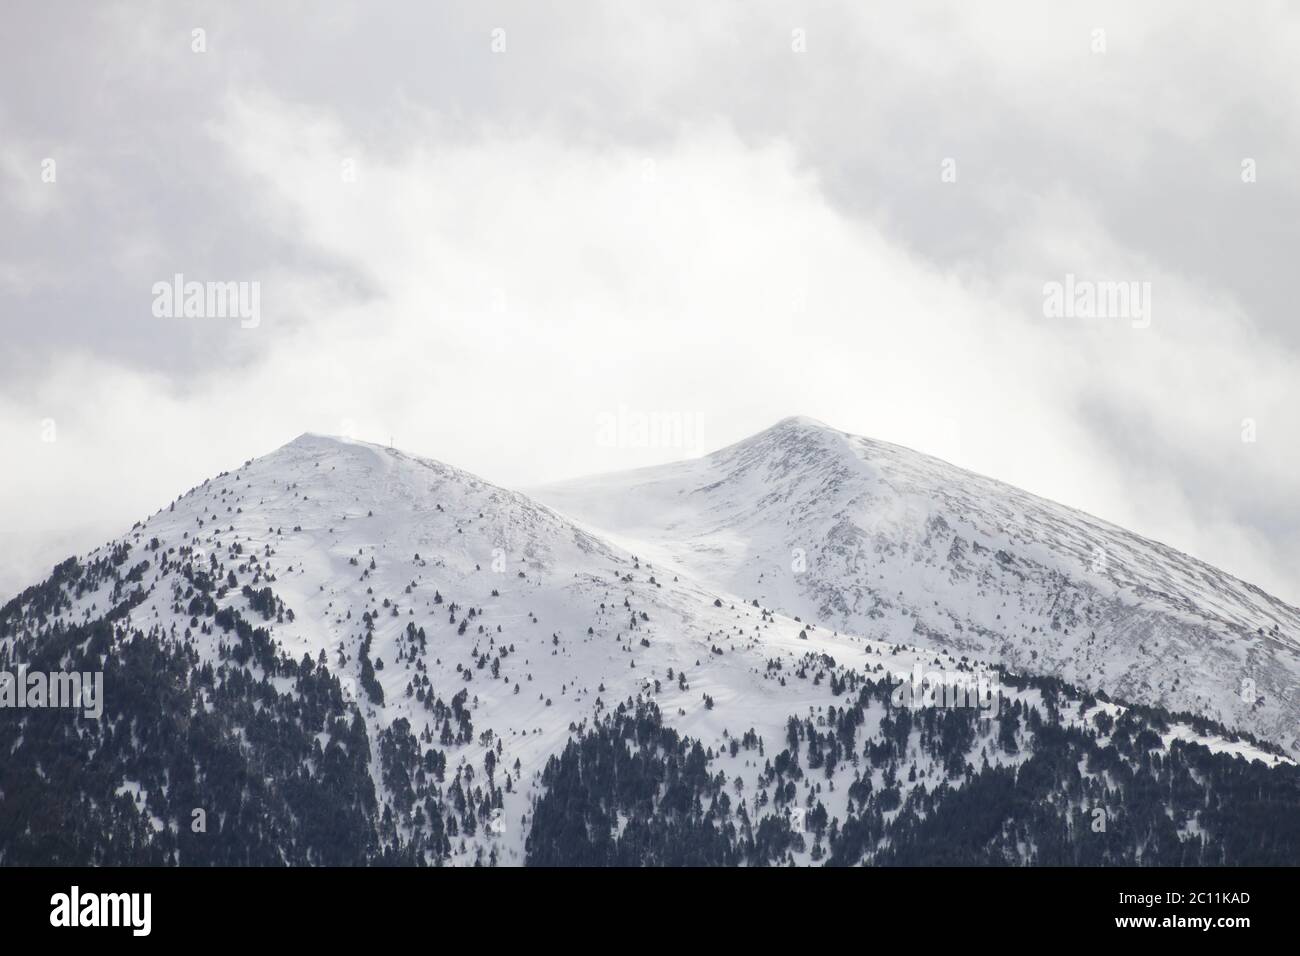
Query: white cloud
x,y
701,225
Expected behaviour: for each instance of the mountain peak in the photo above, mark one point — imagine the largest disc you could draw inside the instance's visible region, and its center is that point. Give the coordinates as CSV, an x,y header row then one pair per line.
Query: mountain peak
x,y
320,446
321,440
876,539
801,425
801,422
790,441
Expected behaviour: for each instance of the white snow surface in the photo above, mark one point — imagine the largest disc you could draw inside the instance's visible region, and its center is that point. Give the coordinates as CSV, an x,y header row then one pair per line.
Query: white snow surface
x,y
901,571
878,540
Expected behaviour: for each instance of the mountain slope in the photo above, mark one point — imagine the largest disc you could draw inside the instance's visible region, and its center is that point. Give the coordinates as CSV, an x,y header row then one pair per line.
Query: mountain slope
x,y
878,540
341,653
468,617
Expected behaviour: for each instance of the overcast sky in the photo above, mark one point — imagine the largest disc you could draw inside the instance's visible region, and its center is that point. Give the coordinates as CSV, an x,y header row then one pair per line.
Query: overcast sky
x,y
488,230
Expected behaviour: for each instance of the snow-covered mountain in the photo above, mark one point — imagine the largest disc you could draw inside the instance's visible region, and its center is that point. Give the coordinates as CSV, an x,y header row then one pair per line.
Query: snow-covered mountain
x,y
343,653
871,538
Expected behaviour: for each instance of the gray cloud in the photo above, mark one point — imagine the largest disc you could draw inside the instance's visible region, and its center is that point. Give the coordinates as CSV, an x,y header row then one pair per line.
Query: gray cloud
x,y
520,253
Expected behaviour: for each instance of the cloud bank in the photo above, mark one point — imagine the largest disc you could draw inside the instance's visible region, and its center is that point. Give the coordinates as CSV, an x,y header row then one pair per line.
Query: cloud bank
x,y
481,231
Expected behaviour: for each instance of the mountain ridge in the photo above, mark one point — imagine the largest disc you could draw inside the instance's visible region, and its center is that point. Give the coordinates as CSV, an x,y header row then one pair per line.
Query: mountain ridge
x,y
877,525
401,648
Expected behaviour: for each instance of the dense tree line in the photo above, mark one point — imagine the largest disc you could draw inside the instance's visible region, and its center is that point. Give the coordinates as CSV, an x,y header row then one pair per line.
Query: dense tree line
x,y
192,762
1023,787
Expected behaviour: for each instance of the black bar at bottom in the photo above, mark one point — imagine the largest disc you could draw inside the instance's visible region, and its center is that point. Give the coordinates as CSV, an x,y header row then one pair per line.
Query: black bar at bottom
x,y
331,906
